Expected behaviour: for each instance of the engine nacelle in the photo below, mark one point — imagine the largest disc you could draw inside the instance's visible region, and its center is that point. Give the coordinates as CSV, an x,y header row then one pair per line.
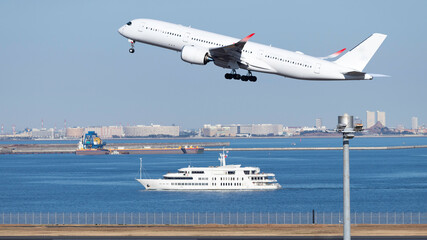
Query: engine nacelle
x,y
195,55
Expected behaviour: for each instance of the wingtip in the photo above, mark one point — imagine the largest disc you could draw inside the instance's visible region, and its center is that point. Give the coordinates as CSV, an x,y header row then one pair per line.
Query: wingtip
x,y
247,37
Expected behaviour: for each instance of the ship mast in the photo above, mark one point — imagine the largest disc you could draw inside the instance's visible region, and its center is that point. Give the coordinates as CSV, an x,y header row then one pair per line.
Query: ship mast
x,y
140,168
222,157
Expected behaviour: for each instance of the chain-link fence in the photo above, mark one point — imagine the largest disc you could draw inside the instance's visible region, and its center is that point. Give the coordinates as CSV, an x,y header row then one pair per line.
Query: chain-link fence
x,y
198,218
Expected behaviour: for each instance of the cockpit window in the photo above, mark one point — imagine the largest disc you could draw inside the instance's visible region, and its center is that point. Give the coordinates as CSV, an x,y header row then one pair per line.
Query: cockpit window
x,y
129,23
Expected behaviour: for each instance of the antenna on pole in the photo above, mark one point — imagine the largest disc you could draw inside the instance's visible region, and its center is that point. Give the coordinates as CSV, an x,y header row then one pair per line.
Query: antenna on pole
x,y
347,127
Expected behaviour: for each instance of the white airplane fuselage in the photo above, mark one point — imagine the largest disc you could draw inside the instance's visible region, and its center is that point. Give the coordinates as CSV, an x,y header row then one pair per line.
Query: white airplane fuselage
x,y
253,57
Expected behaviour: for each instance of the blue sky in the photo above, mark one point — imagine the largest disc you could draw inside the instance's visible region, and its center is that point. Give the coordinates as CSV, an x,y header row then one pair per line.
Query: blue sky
x,y
65,60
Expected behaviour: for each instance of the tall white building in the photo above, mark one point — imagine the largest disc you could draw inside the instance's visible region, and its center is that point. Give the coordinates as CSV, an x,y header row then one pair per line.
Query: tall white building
x,y
414,123
381,117
318,123
370,119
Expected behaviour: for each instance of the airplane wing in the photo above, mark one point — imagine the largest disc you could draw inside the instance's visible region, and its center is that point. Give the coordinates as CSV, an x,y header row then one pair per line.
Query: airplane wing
x,y
229,53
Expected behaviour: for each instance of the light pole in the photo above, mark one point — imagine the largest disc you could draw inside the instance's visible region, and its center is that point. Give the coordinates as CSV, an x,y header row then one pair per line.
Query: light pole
x,y
347,128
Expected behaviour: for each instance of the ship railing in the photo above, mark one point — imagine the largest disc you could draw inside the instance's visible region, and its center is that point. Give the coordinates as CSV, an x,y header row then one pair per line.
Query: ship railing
x,y
265,180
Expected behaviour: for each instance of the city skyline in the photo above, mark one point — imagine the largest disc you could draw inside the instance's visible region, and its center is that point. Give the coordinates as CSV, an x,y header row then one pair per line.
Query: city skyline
x,y
66,60
316,123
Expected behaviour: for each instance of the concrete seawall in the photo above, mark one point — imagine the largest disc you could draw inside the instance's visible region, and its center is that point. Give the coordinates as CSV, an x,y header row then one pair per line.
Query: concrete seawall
x,y
209,146
316,148
71,148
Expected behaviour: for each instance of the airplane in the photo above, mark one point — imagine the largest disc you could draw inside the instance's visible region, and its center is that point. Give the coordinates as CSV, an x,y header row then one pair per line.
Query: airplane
x,y
200,47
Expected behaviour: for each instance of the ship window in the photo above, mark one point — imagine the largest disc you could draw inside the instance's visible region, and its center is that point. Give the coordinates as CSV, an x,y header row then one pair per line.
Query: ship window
x,y
231,172
197,172
253,171
246,172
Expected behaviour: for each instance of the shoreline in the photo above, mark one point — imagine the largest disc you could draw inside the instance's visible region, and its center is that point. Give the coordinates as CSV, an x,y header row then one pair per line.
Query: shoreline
x,y
217,138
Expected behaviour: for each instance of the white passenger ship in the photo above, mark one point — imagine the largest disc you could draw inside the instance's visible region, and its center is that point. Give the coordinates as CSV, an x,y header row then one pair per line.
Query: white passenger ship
x,y
223,177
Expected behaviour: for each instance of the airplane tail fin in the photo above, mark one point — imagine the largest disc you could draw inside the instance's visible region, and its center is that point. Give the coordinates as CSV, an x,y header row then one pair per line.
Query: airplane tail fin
x,y
358,57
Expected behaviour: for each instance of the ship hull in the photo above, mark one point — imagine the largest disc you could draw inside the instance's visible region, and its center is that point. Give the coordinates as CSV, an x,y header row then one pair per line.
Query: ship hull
x,y
162,184
198,150
92,152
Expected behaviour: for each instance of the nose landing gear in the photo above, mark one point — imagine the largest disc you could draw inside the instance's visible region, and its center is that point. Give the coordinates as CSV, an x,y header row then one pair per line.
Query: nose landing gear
x,y
132,45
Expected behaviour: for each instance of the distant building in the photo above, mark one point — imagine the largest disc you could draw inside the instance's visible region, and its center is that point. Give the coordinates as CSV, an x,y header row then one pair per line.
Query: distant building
x,y
292,131
370,119
233,130
267,129
244,129
318,123
381,118
120,131
152,130
219,131
74,132
414,123
106,131
43,133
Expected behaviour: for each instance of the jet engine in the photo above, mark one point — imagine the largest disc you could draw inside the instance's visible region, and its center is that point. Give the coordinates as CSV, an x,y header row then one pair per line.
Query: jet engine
x,y
195,55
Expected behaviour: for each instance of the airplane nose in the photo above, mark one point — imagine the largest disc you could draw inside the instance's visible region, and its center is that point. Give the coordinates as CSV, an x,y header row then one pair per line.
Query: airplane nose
x,y
122,30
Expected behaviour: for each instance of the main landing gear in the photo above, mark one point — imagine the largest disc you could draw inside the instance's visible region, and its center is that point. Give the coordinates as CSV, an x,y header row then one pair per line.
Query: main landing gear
x,y
245,78
132,45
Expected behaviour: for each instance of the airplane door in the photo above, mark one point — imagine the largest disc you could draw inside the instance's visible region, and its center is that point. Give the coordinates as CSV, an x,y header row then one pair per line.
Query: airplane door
x,y
141,27
186,38
261,54
317,68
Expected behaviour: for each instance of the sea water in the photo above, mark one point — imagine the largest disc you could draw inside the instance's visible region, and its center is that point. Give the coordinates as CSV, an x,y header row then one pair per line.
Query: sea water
x,y
380,180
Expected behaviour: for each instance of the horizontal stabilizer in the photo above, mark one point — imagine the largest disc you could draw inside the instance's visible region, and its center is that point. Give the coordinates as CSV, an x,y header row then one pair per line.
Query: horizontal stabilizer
x,y
358,57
